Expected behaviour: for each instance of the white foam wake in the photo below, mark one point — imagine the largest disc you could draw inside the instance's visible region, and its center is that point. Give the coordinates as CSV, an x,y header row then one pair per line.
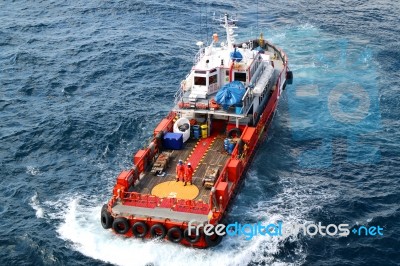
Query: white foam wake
x,y
34,203
32,170
81,227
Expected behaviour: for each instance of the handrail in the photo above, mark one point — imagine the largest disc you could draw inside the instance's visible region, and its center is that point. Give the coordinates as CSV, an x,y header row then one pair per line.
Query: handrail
x,y
245,94
178,96
191,206
150,201
257,74
199,55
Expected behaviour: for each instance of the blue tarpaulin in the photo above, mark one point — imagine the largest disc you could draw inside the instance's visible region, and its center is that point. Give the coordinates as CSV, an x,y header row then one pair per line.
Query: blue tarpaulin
x,y
230,94
236,55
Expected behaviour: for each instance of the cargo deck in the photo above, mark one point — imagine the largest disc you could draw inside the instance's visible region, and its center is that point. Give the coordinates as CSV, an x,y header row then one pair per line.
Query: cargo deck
x,y
214,155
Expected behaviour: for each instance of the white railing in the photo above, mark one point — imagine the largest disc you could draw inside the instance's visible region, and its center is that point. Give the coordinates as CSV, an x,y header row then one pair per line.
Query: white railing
x,y
247,100
213,88
178,96
258,74
199,56
183,87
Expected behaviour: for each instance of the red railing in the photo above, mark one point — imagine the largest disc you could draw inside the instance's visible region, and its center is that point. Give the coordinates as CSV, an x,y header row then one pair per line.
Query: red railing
x,y
149,201
191,206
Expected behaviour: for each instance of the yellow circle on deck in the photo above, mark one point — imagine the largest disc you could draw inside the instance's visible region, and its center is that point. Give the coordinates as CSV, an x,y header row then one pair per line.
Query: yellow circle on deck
x,y
175,189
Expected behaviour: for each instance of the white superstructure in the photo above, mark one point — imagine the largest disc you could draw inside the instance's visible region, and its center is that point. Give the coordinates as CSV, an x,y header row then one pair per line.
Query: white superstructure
x,y
255,63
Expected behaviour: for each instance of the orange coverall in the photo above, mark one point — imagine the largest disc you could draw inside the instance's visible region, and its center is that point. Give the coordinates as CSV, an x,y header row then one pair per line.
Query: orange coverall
x,y
188,174
180,172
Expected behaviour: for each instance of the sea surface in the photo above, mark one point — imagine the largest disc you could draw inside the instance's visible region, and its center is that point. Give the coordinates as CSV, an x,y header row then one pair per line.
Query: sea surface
x,y
83,83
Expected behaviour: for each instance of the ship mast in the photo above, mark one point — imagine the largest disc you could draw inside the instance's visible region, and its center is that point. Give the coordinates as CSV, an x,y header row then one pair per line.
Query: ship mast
x,y
229,24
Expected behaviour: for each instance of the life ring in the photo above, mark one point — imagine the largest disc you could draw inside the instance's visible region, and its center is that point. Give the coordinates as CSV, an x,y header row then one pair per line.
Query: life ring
x,y
158,231
106,218
121,225
193,238
234,130
139,229
175,234
212,240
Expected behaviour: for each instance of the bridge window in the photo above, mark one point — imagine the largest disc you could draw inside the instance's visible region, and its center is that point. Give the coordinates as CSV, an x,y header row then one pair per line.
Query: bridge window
x,y
240,76
201,81
213,79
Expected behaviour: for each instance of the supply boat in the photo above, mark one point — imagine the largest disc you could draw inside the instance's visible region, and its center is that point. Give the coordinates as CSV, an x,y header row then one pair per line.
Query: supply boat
x,y
221,114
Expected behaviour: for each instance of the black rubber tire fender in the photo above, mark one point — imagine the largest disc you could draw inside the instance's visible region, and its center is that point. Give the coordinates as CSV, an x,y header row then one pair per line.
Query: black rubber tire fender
x,y
289,77
234,130
106,219
121,225
213,240
140,233
171,234
191,239
158,227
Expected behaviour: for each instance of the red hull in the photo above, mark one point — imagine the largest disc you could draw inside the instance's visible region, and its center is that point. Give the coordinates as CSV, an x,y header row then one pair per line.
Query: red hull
x,y
233,172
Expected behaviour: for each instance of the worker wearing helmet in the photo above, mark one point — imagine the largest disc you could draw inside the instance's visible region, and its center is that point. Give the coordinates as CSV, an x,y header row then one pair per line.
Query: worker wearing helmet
x,y
180,171
188,173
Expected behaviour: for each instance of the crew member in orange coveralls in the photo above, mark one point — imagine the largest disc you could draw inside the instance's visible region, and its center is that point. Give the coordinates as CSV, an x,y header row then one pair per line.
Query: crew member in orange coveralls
x,y
180,171
188,173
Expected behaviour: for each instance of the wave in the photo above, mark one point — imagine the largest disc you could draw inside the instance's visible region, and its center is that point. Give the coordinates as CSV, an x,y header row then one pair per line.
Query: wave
x,y
36,206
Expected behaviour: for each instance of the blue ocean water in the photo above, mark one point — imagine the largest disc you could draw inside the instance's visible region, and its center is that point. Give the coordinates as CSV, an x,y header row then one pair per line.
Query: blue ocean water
x,y
83,83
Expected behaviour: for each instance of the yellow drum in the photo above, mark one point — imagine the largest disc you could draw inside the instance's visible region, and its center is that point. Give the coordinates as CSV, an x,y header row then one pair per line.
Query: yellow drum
x,y
204,131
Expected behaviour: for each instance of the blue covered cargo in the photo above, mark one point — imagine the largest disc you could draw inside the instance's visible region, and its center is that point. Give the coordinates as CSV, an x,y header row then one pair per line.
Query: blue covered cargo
x,y
173,141
236,56
230,94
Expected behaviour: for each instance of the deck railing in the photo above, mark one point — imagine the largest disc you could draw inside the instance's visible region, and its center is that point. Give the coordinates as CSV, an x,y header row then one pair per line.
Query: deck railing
x,y
199,56
150,201
178,96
